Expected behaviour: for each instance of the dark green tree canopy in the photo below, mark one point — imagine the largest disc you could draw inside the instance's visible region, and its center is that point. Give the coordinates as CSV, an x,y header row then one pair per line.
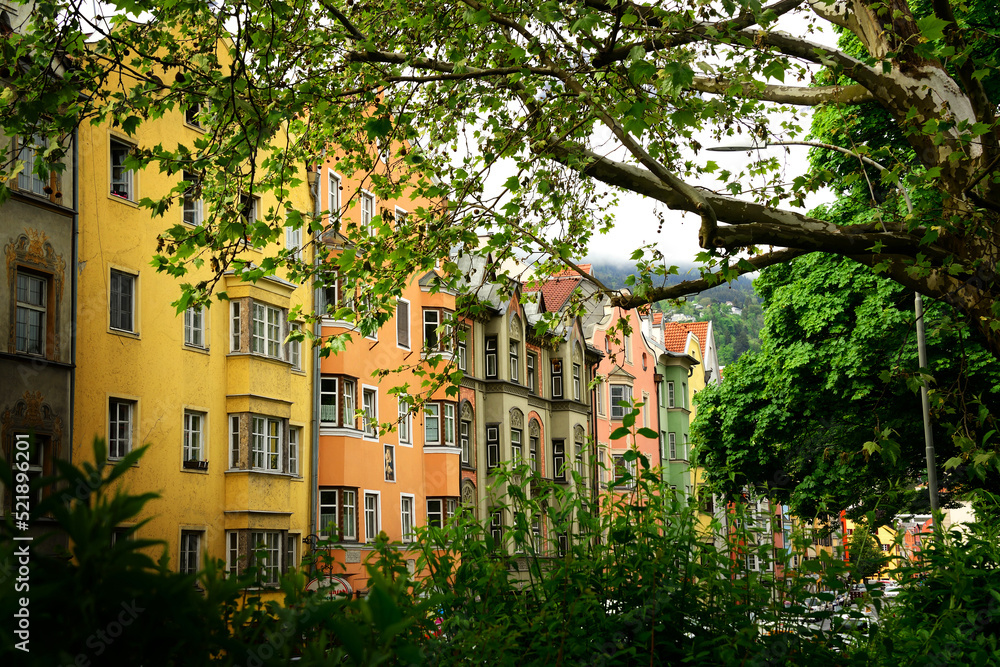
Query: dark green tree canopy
x,y
825,415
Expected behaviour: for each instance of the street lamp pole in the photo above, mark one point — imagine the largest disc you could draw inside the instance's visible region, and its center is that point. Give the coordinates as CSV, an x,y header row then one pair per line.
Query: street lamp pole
x,y
918,311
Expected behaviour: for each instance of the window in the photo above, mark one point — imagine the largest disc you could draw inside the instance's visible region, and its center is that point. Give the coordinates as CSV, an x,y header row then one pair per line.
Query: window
x,y
532,361
190,551
406,518
439,510
248,209
293,242
194,436
515,361
627,344
621,397
602,466
562,544
670,394
32,298
601,409
405,421
337,391
672,445
437,335
234,441
294,349
432,424
194,327
349,525
121,414
659,394
492,445
267,555
294,437
328,525
121,177
491,356
557,379
193,205
265,443
465,427
576,382
265,330
27,179
333,197
122,301
643,361
292,551
192,113
622,469
462,347
515,446
435,512
449,424
367,211
684,446
559,459
496,527
235,331
372,518
369,409
533,443
683,397
403,324
645,410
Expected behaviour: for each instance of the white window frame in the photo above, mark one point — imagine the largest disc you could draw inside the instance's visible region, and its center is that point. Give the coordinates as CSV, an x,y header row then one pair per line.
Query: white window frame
x,y
439,513
432,414
559,459
266,330
375,513
531,376
492,445
192,210
403,323
116,297
349,510
670,395
516,447
294,351
121,427
577,386
407,517
189,561
194,327
336,400
267,446
366,204
324,502
448,425
194,430
491,357
627,344
404,427
602,409
514,348
122,181
26,310
618,412
293,449
672,446
556,374
465,440
293,242
235,327
333,197
27,179
645,410
271,542
369,419
234,440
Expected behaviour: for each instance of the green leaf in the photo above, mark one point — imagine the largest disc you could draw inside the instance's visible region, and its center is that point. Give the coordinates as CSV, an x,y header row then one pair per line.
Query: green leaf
x,y
932,28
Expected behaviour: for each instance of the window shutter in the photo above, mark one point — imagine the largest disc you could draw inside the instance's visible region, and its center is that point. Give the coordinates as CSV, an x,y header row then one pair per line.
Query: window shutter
x,y
403,324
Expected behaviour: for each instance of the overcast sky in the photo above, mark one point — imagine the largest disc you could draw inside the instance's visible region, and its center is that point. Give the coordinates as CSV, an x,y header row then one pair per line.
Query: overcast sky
x,y
678,241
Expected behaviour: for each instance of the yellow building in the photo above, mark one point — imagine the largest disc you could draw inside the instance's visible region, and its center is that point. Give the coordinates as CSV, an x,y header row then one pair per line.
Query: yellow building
x,y
223,402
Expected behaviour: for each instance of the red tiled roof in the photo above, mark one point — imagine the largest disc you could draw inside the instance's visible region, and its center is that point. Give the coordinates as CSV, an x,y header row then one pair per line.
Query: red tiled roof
x,y
657,318
586,268
699,329
674,337
557,291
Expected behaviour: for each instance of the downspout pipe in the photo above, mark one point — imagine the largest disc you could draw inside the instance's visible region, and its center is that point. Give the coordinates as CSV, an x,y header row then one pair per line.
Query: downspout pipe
x,y
73,286
318,331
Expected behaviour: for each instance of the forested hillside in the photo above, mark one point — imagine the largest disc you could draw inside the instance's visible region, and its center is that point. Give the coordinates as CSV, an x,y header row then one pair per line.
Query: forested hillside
x,y
734,309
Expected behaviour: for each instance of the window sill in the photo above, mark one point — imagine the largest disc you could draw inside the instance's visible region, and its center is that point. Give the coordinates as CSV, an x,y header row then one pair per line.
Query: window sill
x,y
124,334
196,128
343,431
446,356
442,449
196,348
123,200
257,471
298,371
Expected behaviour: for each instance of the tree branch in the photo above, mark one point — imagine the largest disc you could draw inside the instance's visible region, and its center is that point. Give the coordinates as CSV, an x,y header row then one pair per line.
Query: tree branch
x,y
689,287
801,95
842,241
